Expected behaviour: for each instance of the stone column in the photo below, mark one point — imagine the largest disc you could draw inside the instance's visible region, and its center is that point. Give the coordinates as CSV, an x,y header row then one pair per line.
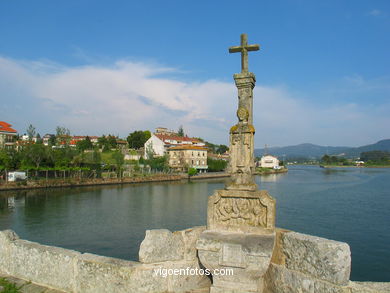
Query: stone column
x,y
240,235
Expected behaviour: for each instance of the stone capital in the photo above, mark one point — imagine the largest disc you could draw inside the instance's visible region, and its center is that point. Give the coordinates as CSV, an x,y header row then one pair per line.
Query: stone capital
x,y
244,80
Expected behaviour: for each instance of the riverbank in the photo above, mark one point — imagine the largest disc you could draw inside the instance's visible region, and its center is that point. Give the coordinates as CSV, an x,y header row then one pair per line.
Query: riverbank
x,y
74,182
145,178
353,166
266,171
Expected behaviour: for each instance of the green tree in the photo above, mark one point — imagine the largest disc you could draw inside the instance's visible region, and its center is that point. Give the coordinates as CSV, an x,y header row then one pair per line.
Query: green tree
x,y
119,160
222,149
52,140
180,132
31,132
138,138
192,171
216,165
62,131
158,163
84,144
35,154
111,140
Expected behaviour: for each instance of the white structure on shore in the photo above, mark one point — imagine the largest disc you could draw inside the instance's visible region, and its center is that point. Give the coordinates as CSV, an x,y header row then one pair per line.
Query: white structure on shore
x,y
159,143
269,161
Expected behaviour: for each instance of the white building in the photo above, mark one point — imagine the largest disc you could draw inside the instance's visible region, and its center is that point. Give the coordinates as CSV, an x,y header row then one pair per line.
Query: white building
x,y
158,143
269,161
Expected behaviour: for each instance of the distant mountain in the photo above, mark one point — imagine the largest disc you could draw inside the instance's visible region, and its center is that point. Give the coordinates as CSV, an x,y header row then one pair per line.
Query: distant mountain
x,y
312,151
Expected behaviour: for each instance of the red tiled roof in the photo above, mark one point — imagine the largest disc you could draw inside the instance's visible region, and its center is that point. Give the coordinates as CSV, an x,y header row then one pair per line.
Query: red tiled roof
x,y
165,137
6,127
188,147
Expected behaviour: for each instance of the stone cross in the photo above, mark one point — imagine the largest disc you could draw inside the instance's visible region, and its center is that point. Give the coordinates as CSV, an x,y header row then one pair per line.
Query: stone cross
x,y
244,48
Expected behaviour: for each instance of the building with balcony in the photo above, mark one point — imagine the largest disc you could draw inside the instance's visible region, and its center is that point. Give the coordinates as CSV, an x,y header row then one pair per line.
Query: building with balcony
x,y
7,135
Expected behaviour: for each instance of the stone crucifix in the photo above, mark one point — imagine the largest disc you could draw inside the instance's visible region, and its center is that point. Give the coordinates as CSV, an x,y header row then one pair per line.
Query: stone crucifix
x,y
241,166
244,48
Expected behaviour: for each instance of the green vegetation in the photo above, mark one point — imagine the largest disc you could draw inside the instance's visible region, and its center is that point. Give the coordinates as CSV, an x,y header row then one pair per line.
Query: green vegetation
x,y
216,165
376,158
192,171
335,161
180,132
138,138
156,163
8,286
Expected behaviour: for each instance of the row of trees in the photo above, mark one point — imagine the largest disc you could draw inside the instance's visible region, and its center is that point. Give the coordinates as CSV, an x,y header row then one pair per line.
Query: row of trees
x,y
376,157
334,160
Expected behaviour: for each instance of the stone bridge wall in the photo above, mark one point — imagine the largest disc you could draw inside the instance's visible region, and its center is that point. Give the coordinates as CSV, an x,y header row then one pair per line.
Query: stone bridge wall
x,y
300,263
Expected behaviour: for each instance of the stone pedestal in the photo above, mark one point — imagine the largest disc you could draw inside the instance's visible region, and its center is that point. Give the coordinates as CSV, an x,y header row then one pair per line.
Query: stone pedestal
x,y
238,245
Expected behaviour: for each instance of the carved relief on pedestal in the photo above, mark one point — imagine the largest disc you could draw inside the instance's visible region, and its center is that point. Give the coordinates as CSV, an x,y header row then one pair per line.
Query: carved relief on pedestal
x,y
233,211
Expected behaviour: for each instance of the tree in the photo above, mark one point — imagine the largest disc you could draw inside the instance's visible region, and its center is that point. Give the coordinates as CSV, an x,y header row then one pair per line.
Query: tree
x,y
39,139
31,132
62,131
180,132
222,149
35,154
216,165
85,144
52,140
111,141
138,138
119,160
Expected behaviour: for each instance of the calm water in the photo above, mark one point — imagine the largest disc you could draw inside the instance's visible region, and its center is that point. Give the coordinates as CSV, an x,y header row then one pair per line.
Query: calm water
x,y
350,205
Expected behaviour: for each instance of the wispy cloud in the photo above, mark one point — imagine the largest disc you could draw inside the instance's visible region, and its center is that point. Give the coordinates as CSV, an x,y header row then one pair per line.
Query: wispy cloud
x,y
375,12
124,96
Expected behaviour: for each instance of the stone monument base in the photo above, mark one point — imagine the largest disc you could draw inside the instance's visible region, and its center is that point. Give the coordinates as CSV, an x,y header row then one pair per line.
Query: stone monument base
x,y
237,261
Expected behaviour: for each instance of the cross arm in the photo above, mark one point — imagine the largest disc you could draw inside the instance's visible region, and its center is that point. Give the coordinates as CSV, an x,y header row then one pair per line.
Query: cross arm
x,y
255,47
235,49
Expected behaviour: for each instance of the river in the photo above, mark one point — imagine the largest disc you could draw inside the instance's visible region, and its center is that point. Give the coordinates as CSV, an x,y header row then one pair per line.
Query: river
x,y
345,204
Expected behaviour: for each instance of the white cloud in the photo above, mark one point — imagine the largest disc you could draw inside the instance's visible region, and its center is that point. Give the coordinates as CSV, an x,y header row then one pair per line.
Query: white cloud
x,y
127,96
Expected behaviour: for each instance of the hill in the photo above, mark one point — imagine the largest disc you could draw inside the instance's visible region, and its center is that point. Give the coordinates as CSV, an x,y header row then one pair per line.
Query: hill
x,y
312,151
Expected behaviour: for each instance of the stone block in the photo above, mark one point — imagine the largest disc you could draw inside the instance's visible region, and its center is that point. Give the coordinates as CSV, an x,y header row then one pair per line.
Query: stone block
x,y
52,266
99,274
245,256
189,277
6,237
319,257
161,245
190,236
369,287
279,279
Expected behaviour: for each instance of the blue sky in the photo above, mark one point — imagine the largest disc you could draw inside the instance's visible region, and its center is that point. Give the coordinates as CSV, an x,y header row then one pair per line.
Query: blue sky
x,y
117,66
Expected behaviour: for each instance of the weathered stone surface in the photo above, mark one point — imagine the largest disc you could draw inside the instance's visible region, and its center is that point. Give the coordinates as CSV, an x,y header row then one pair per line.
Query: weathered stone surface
x,y
43,264
370,287
161,245
319,257
247,256
6,238
190,236
101,274
282,280
241,211
189,277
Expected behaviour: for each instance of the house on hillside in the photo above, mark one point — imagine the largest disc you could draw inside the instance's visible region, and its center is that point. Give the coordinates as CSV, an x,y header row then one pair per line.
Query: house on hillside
x,y
159,143
186,156
269,161
7,135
